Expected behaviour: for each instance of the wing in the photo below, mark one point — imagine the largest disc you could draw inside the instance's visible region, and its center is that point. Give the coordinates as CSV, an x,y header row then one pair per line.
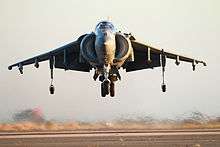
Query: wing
x,y
66,57
146,56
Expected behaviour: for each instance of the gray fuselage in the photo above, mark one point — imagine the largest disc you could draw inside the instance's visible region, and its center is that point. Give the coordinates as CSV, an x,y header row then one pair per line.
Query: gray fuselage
x,y
105,44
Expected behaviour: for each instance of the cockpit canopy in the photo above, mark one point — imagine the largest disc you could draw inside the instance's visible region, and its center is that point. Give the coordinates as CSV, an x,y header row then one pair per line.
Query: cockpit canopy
x,y
105,25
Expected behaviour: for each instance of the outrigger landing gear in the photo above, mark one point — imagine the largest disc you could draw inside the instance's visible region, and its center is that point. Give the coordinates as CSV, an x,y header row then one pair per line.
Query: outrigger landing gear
x,y
163,86
51,88
163,62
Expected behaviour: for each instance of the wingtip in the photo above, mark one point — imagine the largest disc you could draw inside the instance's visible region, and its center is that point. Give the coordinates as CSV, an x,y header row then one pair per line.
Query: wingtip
x,y
9,67
202,62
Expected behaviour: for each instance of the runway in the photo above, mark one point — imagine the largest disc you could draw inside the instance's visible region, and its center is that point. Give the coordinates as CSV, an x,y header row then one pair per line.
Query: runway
x,y
114,138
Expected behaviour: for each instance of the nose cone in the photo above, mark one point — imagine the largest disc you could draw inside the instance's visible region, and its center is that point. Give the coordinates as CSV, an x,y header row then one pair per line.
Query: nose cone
x,y
107,35
105,38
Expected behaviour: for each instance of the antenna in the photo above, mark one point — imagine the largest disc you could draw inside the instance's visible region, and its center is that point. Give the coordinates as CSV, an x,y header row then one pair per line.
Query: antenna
x,y
109,18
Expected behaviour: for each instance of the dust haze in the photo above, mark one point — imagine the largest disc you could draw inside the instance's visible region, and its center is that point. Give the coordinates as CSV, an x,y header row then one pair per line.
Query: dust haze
x,y
34,120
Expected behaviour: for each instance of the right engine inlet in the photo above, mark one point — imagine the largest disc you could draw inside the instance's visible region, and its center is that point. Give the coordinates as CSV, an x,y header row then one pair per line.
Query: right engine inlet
x,y
122,48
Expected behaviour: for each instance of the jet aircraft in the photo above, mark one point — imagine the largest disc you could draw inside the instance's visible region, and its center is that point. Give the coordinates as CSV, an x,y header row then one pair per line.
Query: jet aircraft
x,y
106,50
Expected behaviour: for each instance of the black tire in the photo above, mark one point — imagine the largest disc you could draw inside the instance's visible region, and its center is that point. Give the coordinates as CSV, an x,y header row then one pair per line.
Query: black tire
x,y
163,86
103,94
52,89
106,87
112,89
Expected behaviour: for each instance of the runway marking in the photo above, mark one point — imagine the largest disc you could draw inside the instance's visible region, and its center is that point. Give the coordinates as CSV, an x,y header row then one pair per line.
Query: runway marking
x,y
105,131
107,134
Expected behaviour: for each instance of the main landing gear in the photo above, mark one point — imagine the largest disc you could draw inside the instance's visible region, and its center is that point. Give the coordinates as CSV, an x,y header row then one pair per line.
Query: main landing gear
x,y
107,88
112,89
107,76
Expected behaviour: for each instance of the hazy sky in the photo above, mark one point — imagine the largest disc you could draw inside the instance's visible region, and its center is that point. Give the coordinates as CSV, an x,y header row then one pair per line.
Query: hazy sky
x,y
32,27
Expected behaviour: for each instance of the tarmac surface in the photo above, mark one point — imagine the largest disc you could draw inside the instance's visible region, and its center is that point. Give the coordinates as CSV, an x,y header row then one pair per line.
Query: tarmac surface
x,y
114,138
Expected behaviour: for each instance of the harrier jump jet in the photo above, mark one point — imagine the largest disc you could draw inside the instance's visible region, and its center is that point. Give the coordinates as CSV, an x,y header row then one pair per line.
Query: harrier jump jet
x,y
106,51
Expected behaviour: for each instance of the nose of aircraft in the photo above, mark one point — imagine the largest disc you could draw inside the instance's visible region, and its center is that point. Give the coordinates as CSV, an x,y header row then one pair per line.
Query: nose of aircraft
x,y
107,36
108,42
105,46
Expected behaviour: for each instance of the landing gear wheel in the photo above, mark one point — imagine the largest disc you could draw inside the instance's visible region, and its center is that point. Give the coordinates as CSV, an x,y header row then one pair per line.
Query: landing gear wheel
x,y
105,88
112,89
102,90
52,89
163,86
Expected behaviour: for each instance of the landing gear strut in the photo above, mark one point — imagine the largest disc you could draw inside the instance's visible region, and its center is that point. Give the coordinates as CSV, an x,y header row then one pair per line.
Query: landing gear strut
x,y
96,74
